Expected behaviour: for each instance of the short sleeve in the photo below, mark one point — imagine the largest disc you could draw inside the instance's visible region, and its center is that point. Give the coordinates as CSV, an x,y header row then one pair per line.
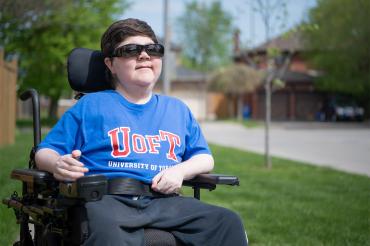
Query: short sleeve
x,y
65,135
195,142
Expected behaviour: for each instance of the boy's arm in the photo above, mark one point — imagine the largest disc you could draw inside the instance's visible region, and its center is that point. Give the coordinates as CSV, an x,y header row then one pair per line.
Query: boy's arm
x,y
170,180
64,168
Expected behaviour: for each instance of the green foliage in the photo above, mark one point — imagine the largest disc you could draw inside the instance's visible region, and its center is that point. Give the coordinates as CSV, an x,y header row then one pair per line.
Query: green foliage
x,y
277,84
206,33
273,52
235,79
339,41
42,33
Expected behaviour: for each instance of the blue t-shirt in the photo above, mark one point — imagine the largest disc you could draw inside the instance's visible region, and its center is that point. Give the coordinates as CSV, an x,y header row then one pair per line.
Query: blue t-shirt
x,y
118,138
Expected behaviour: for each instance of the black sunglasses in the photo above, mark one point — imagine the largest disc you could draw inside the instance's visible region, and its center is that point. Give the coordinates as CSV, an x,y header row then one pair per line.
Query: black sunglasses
x,y
132,50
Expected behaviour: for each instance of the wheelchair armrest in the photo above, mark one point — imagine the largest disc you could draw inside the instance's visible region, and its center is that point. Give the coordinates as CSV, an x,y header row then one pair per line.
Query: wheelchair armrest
x,y
31,175
88,188
35,180
210,181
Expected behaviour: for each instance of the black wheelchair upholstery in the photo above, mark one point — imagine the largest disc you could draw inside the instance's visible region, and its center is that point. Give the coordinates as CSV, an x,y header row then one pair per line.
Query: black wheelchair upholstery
x,y
53,207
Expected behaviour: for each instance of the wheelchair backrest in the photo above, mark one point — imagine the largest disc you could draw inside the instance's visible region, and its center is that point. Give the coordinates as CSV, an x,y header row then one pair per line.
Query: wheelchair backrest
x,y
87,71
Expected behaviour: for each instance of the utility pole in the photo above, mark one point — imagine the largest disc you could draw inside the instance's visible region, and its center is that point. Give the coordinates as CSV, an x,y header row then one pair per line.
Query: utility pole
x,y
166,78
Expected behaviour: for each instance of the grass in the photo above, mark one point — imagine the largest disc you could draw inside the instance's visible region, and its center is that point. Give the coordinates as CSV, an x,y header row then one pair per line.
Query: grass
x,y
292,204
28,122
246,123
15,156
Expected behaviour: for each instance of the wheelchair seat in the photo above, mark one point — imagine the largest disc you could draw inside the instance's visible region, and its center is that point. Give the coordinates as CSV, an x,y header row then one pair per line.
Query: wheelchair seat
x,y
51,205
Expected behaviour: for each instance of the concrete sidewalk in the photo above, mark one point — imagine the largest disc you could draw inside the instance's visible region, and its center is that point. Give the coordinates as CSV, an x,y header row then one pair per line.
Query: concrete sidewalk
x,y
343,146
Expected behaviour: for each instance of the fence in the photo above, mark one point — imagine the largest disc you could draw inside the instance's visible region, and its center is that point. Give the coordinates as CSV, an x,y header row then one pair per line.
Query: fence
x,y
8,99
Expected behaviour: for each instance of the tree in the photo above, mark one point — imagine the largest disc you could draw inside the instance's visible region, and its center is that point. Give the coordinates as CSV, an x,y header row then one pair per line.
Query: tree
x,y
272,13
206,32
340,46
236,80
42,33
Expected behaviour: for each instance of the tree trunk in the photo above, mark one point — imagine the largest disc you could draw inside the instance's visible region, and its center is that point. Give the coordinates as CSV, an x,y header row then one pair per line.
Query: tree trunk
x,y
240,107
230,106
53,108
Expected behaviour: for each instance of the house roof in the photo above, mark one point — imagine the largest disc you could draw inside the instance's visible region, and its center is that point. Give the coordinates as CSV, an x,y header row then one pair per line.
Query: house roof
x,y
291,41
185,74
298,77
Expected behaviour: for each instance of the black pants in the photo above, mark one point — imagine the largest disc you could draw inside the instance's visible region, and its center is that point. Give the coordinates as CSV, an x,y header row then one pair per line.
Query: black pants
x,y
118,220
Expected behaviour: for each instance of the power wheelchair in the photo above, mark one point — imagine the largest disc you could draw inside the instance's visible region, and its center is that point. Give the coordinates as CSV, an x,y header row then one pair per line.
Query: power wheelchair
x,y
52,206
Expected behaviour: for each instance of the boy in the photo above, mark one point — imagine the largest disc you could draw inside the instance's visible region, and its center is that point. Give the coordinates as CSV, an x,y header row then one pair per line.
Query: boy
x,y
131,133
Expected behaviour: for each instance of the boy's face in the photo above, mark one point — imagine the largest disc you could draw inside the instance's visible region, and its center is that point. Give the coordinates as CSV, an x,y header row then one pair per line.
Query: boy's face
x,y
142,70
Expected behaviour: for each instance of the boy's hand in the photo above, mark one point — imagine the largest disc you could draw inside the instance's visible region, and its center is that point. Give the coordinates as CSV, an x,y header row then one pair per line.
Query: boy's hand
x,y
168,181
69,168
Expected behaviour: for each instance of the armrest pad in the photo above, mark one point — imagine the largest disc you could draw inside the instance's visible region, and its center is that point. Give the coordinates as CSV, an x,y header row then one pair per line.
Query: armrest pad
x,y
89,188
211,180
31,175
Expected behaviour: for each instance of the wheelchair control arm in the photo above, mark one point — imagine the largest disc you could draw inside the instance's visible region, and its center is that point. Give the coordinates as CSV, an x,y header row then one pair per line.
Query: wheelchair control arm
x,y
210,181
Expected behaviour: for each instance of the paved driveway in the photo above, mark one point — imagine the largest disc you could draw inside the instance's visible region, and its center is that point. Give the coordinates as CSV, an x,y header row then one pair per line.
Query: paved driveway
x,y
343,146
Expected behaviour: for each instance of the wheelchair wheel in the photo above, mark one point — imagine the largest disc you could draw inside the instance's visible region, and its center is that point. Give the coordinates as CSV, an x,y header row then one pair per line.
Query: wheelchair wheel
x,y
44,238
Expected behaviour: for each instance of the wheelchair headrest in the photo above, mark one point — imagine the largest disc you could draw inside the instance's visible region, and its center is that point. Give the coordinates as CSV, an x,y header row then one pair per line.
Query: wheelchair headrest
x,y
86,70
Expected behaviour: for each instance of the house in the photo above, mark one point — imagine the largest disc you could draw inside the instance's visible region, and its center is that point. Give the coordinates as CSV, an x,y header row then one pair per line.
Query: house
x,y
190,86
298,99
186,84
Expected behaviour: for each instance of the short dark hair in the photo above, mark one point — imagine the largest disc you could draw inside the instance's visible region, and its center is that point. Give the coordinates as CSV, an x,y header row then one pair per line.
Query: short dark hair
x,y
118,32
122,29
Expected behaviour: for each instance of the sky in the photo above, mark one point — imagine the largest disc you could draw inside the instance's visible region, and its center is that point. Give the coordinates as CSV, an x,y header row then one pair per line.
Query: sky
x,y
248,22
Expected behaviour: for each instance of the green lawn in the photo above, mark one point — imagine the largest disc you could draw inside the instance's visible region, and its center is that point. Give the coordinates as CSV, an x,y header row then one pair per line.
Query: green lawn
x,y
248,123
11,157
292,204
